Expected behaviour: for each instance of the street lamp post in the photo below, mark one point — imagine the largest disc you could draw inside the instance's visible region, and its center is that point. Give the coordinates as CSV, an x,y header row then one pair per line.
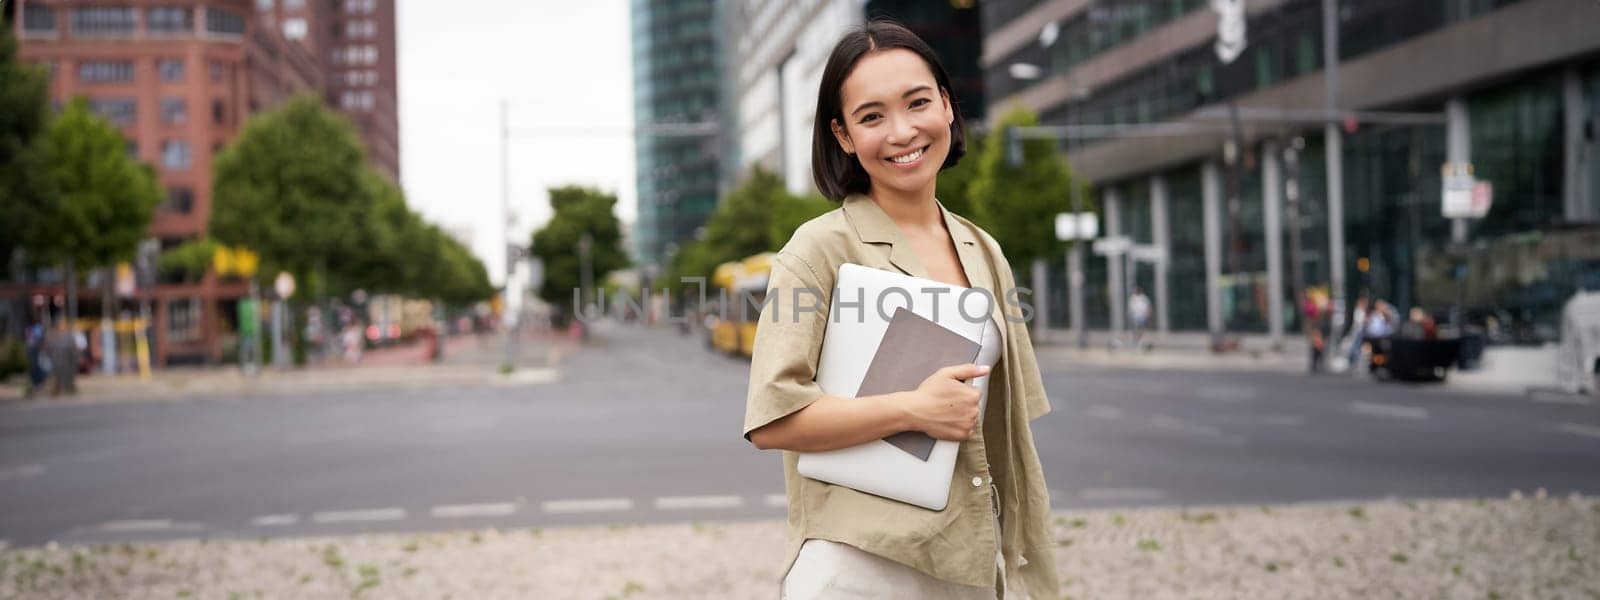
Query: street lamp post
x,y
509,319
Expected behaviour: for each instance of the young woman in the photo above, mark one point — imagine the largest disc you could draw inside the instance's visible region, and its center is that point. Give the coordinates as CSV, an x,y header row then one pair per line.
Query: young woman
x,y
885,127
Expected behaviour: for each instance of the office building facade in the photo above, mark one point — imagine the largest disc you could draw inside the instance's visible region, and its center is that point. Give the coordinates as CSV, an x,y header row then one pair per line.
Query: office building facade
x,y
676,83
1222,165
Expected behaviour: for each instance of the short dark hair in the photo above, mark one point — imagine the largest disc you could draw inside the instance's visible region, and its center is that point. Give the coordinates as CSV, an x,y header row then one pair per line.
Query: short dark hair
x,y
838,174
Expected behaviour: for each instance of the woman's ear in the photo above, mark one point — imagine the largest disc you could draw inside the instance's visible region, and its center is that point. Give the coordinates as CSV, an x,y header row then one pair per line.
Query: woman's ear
x,y
843,137
949,115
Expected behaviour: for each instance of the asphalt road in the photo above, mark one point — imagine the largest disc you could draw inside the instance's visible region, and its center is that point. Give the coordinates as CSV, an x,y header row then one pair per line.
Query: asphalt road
x,y
644,425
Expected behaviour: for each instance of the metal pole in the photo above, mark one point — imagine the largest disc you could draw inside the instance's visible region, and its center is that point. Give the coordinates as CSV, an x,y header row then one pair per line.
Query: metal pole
x,y
508,320
1458,152
586,260
1291,194
280,353
1335,161
1271,207
1075,275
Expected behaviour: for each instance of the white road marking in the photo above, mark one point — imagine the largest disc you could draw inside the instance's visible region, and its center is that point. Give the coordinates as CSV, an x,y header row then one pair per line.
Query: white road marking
x,y
1558,397
275,520
1283,420
1208,433
1101,411
21,472
1389,410
490,509
698,502
776,500
1225,394
556,507
359,516
1174,424
1121,494
1580,429
148,525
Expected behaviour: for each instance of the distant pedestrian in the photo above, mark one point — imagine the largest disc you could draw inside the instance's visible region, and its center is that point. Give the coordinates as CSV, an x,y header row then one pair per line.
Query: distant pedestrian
x,y
1380,323
1139,315
61,346
1317,325
33,344
1357,330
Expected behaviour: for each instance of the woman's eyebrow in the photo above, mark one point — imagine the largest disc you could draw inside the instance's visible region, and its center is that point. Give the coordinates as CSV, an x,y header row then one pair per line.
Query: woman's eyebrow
x,y
909,93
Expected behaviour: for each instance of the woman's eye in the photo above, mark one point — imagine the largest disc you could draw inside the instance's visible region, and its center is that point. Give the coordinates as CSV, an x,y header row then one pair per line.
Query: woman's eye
x,y
919,102
869,118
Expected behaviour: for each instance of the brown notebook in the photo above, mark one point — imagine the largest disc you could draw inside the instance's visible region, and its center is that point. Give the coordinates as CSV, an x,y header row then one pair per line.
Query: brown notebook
x,y
911,350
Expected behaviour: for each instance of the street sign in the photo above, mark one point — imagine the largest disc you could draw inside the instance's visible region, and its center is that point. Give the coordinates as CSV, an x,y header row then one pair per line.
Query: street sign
x,y
1464,197
1148,253
1113,246
284,285
1482,198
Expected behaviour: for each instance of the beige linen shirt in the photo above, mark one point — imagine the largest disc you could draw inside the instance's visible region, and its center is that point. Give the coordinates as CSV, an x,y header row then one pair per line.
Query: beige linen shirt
x,y
956,544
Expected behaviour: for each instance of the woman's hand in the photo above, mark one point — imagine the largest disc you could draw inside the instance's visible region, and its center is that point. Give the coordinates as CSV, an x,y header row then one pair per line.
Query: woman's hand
x,y
945,406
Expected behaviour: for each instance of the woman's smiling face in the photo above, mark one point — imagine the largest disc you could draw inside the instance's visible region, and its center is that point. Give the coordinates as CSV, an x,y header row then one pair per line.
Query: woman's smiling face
x,y
896,120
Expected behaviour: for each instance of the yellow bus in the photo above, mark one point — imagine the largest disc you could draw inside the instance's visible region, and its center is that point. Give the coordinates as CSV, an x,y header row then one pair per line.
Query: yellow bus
x,y
741,288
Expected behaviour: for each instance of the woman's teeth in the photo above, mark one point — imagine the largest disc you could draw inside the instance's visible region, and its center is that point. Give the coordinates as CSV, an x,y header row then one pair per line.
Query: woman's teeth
x,y
907,158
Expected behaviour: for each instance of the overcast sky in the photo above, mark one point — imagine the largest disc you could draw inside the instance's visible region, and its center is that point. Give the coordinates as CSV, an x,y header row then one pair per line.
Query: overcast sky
x,y
563,64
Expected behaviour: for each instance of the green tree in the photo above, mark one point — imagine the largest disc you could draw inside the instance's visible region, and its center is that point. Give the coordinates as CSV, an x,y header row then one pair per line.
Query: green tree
x,y
24,186
102,198
954,186
1018,205
290,187
579,211
758,216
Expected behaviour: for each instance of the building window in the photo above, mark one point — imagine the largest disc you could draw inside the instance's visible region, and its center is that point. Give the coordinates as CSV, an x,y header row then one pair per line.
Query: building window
x,y
356,101
222,20
38,19
294,29
103,20
102,71
174,111
264,5
175,154
180,200
183,320
218,70
171,69
133,148
294,4
168,19
219,111
359,6
119,111
361,29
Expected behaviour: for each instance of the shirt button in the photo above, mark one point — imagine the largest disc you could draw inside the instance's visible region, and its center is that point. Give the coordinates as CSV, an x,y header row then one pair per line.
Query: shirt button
x,y
977,482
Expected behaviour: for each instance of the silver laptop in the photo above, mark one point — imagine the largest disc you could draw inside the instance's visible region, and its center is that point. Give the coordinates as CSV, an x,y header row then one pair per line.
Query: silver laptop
x,y
850,344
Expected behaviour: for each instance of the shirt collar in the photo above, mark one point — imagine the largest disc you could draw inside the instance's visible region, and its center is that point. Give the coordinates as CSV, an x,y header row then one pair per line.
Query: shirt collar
x,y
873,226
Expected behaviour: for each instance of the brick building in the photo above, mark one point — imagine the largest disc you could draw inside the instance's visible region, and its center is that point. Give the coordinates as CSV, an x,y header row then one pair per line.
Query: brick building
x,y
180,77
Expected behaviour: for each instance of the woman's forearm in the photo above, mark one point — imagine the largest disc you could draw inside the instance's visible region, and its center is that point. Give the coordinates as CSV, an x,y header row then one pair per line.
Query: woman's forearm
x,y
831,423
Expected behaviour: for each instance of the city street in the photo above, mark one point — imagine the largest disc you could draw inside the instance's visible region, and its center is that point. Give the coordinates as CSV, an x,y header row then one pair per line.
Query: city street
x,y
642,425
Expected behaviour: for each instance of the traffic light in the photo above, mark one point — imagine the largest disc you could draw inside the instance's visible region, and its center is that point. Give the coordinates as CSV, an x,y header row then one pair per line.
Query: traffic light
x,y
1013,146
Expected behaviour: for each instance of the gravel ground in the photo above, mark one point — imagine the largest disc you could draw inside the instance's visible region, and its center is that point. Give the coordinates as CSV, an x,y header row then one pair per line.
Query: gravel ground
x,y
1533,547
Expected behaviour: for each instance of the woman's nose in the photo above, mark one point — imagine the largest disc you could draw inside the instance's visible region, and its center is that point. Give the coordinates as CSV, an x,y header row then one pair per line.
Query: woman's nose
x,y
901,131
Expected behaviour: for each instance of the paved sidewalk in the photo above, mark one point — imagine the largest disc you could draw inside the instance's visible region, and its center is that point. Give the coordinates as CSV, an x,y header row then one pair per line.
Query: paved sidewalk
x,y
468,361
1517,548
1518,371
